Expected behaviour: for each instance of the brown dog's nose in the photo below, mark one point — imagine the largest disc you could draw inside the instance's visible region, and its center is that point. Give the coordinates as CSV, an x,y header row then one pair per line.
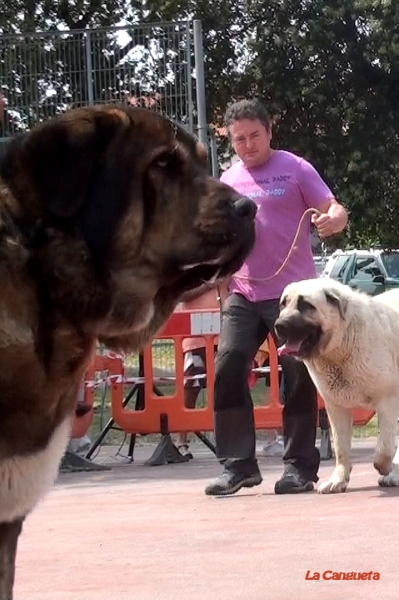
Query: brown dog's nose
x,y
244,207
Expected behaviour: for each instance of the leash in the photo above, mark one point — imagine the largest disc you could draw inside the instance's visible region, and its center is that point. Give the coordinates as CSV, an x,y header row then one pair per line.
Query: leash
x,y
308,211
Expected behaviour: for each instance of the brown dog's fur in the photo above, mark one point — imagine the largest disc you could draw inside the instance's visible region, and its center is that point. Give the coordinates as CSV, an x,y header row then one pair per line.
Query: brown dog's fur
x,y
107,216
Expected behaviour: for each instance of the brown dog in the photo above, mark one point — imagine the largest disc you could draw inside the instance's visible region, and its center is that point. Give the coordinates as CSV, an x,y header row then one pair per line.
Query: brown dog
x,y
107,215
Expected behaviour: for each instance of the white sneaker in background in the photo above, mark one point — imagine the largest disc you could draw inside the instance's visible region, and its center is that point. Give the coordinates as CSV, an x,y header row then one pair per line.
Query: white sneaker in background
x,y
79,445
274,448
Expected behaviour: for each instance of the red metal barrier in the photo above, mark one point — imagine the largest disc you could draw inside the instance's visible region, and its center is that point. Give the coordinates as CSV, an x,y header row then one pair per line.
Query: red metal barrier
x,y
201,323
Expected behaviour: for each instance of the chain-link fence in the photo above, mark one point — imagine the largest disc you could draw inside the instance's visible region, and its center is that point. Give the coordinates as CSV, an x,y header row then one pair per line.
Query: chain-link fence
x,y
44,74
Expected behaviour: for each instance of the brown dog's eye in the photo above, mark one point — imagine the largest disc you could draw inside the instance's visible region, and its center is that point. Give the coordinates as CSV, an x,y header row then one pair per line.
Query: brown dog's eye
x,y
163,162
168,163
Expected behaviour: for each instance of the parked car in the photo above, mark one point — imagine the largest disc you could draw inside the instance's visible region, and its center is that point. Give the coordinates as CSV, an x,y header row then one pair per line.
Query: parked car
x,y
370,271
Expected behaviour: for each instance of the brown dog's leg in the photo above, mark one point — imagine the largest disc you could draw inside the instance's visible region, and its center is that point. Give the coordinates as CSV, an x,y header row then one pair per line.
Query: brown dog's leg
x,y
9,534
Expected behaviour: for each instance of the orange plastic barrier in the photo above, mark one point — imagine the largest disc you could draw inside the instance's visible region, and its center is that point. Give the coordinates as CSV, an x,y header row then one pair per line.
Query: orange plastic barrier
x,y
81,424
149,420
167,413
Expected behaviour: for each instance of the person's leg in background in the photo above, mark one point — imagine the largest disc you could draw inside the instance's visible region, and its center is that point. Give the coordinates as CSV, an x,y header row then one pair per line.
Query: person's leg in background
x,y
241,335
275,441
301,457
194,382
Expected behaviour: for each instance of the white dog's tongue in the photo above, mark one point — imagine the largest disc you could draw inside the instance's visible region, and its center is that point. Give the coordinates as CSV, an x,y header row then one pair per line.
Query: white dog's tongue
x,y
289,348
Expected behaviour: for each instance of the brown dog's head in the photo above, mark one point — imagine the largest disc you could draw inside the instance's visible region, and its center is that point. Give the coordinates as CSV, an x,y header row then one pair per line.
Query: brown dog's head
x,y
120,218
311,317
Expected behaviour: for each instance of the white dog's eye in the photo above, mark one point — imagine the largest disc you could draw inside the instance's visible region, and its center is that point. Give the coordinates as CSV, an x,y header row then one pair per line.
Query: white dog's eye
x,y
303,304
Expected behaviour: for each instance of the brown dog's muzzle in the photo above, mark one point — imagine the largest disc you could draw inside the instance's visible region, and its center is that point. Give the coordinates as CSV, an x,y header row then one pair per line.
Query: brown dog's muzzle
x,y
244,207
242,232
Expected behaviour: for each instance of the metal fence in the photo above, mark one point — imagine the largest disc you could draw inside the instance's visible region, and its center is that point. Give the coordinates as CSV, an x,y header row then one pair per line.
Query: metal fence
x,y
44,74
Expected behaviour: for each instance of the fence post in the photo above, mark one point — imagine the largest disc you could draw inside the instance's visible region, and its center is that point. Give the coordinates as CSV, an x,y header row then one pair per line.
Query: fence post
x,y
89,68
200,83
214,154
189,82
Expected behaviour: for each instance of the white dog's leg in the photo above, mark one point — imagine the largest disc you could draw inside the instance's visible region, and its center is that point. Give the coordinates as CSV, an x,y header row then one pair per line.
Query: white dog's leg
x,y
341,427
384,461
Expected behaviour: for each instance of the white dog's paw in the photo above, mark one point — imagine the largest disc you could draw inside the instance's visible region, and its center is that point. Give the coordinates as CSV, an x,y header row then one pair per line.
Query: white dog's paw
x,y
338,481
332,486
383,464
390,480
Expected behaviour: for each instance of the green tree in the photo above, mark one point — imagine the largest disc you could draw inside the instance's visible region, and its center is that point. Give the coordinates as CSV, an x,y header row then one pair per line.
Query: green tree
x,y
225,25
328,70
23,16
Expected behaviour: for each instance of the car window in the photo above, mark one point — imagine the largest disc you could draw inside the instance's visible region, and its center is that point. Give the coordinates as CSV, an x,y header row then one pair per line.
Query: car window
x,y
337,271
366,268
390,261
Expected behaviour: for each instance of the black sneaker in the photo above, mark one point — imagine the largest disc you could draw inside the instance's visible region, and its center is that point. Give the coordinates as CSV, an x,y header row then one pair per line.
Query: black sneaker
x,y
292,482
229,483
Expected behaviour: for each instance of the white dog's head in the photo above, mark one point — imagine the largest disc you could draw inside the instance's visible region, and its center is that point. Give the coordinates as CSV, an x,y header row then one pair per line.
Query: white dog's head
x,y
311,315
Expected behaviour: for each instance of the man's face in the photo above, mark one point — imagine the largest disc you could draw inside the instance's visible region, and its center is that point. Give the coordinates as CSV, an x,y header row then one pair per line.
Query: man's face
x,y
251,141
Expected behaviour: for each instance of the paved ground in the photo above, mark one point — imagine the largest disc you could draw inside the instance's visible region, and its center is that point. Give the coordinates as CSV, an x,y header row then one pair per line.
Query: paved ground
x,y
150,533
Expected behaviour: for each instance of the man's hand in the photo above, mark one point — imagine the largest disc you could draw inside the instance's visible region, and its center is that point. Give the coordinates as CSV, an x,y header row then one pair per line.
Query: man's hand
x,y
333,218
324,225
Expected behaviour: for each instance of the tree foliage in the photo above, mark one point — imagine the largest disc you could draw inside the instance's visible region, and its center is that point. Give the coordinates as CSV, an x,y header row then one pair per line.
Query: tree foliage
x,y
329,70
54,56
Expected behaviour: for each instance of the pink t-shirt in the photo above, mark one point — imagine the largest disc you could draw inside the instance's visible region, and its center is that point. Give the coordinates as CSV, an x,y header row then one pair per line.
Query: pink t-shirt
x,y
283,189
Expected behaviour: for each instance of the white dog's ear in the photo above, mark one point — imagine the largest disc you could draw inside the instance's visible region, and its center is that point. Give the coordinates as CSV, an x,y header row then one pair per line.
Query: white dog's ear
x,y
340,303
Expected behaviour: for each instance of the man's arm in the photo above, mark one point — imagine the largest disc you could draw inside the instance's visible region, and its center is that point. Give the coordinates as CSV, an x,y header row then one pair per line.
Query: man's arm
x,y
332,220
334,217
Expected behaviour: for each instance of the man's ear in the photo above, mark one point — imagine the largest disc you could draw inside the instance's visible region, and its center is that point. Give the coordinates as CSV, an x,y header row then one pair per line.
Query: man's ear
x,y
340,303
62,152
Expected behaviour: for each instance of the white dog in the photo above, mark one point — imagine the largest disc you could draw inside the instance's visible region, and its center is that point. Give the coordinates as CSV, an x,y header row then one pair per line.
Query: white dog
x,y
350,345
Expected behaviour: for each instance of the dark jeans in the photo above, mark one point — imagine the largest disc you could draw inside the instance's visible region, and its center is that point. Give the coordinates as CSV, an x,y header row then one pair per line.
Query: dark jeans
x,y
244,327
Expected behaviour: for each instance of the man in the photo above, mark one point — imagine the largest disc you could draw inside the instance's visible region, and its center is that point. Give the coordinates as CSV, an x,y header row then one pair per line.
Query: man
x,y
283,185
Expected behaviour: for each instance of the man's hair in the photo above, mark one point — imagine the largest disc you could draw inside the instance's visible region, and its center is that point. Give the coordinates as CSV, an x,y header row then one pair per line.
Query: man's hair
x,y
247,109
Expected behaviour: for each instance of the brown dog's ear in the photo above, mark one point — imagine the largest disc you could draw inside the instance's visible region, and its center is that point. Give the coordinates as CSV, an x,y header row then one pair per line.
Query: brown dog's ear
x,y
340,303
61,154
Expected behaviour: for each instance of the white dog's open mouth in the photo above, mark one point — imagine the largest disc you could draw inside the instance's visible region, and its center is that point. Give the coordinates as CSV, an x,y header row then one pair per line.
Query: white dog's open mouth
x,y
300,348
289,348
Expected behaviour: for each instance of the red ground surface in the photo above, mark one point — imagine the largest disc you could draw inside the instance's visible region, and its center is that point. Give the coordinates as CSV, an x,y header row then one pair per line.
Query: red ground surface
x,y
150,533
